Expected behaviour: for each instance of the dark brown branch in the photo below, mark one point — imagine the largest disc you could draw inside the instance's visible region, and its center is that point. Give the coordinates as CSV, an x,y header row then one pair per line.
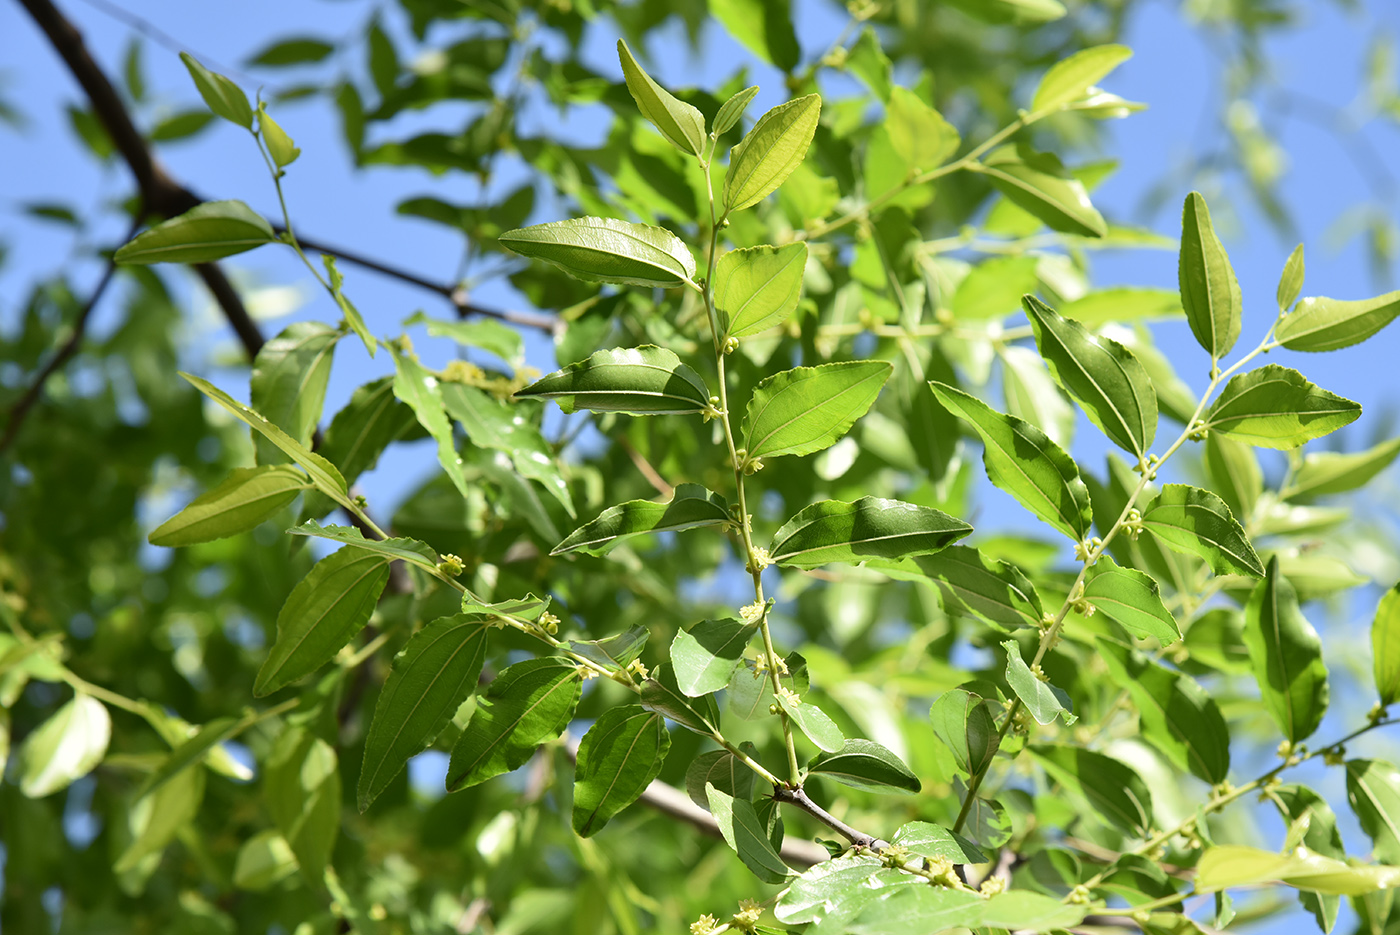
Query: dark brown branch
x,y
26,402
798,798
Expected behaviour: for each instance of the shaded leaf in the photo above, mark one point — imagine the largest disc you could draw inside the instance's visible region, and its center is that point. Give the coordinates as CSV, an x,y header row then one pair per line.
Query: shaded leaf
x,y
244,499
866,764
618,757
1044,701
1373,789
1286,655
991,590
288,384
1331,472
961,720
1385,646
721,769
691,507
705,656
1113,789
525,705
661,694
1133,599
206,232
746,834
607,250
404,550
1189,519
613,652
301,788
414,385
681,124
869,528
645,380
1038,183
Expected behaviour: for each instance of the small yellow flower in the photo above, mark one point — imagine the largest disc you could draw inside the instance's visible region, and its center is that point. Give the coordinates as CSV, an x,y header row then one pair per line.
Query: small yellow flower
x,y
587,672
704,925
789,696
751,612
750,910
636,666
991,886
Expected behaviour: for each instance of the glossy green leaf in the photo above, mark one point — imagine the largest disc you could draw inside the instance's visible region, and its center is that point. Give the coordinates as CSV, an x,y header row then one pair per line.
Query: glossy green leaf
x,y
1114,789
936,842
705,656
1070,79
1101,374
404,550
492,423
1133,599
66,746
645,380
1209,291
1276,407
806,409
757,288
1290,283
322,473
918,133
833,892
745,832
621,753
1123,304
432,675
612,652
1385,646
768,153
1044,701
288,384
661,694
1175,713
206,232
221,95
1286,654
813,722
1038,183
681,124
1331,472
301,788
869,528
1235,473
690,507
918,910
865,764
607,250
721,769
1023,461
961,720
1373,789
1321,324
992,590
1189,519
324,612
422,392
732,110
244,499
527,704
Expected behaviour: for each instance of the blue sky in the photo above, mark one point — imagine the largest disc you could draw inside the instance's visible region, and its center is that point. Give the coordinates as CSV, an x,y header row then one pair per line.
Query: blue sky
x,y
1176,70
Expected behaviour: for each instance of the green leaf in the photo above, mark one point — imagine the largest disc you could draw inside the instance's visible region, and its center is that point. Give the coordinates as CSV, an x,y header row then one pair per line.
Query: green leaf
x,y
1023,910
641,381
732,110
432,675
705,656
867,60
661,694
1209,291
191,751
991,590
403,550
865,764
833,892
768,153
935,842
869,528
264,860
1330,472
528,703
721,769
288,384
422,391
813,722
747,834
1123,304
221,95
918,910
301,787
1195,521
691,507
1070,79
618,757
159,815
1133,599
1012,11
612,652
1321,324
324,612
993,288
918,133
1234,469
1175,714
1044,701
961,720
757,288
491,423
323,474
206,232
1038,183
279,145
1373,789
297,51
1031,394
1291,282
1101,374
764,27
1304,808
1233,865
607,250
681,124
1113,789
487,333
1385,646
65,747
1023,461
1276,407
806,409
347,308
1286,655
244,499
